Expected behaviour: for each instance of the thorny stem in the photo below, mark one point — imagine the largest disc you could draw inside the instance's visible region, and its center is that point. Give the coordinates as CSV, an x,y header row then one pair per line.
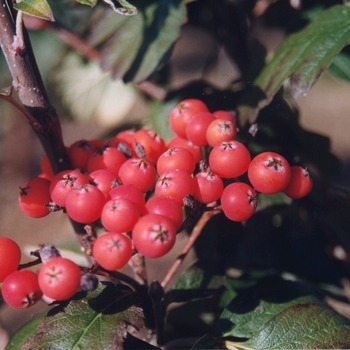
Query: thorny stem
x,y
206,216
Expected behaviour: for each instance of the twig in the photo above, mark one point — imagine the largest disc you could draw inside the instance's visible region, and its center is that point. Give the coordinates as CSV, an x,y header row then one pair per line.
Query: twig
x,y
137,264
206,216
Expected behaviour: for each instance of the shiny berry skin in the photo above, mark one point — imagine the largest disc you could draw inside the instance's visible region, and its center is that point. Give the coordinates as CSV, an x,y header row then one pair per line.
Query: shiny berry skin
x,y
220,130
176,158
167,207
229,159
300,183
119,215
103,179
238,201
10,257
176,184
154,235
21,289
225,116
59,278
208,187
269,173
139,173
112,250
183,112
84,204
34,197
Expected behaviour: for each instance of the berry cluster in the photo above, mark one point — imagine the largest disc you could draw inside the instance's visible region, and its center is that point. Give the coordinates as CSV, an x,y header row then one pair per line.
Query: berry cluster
x,y
135,186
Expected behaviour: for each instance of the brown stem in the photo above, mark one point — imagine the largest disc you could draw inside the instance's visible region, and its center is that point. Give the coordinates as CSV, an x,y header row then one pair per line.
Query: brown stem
x,y
206,216
29,86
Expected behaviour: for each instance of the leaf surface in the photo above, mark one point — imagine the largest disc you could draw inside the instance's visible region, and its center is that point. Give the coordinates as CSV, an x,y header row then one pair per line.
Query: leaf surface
x,y
91,3
98,321
134,47
247,313
37,8
303,326
302,58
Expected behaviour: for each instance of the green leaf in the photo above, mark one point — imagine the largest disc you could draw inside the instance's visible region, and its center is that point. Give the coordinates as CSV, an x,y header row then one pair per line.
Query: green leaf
x,y
302,57
303,326
98,321
197,277
340,67
37,8
133,48
88,93
254,306
91,3
22,335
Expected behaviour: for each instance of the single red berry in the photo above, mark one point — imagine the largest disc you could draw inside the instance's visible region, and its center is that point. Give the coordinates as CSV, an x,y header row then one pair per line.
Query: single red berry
x,y
112,250
300,183
59,278
154,235
10,257
269,173
21,289
238,201
34,197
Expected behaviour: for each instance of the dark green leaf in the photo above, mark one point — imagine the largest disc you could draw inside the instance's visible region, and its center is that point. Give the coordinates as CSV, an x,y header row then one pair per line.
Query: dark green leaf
x,y
303,57
207,342
133,48
91,3
256,305
98,321
22,335
303,326
196,277
340,67
37,8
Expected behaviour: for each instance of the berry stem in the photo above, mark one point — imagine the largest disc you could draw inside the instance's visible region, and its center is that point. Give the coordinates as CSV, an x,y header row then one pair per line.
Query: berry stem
x,y
138,265
206,216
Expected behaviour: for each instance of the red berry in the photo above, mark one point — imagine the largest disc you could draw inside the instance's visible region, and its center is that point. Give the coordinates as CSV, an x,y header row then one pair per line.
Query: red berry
x,y
10,257
34,197
85,203
183,112
154,235
220,130
176,158
229,159
112,250
59,278
196,129
269,173
300,183
208,187
21,289
238,201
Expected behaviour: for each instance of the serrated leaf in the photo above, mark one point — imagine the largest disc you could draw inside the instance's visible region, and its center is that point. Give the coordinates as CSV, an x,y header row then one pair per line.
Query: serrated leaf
x,y
305,326
21,336
302,57
254,306
98,321
91,3
340,67
133,48
36,8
